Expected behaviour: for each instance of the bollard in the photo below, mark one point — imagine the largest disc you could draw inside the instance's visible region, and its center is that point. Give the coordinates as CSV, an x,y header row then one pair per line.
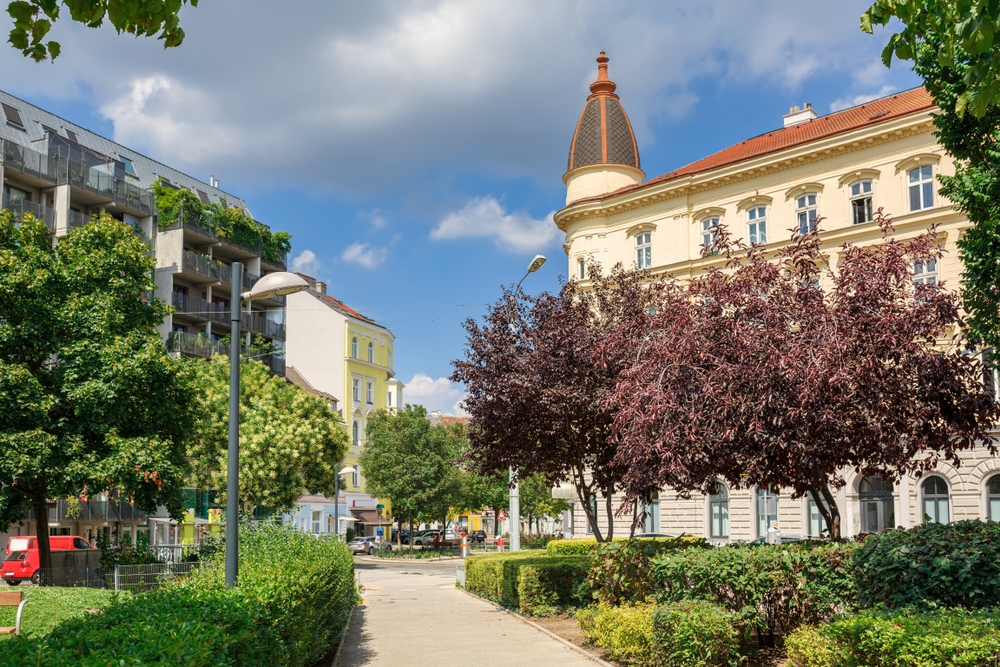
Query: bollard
x,y
500,545
465,546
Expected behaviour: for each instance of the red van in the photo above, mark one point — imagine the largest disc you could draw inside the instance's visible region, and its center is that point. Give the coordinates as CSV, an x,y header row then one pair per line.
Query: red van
x,y
20,563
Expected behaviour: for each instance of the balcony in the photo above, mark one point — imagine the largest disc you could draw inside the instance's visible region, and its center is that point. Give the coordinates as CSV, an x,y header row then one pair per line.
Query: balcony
x,y
258,324
90,510
19,207
279,264
78,219
203,265
27,161
99,181
193,223
196,345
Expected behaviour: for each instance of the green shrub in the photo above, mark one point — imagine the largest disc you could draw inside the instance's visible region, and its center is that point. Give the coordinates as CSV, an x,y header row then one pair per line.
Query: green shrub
x,y
954,564
547,581
772,588
292,602
620,571
626,631
900,638
581,546
695,634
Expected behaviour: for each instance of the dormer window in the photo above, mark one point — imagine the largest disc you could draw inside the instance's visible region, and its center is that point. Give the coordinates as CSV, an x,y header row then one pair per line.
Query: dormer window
x,y
643,250
757,225
806,212
861,202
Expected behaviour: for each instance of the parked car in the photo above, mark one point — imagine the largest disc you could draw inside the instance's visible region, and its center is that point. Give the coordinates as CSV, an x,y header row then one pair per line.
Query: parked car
x,y
785,539
657,535
368,545
20,561
477,536
424,538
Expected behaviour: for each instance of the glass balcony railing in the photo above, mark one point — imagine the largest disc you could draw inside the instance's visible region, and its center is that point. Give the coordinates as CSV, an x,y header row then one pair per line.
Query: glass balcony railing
x,y
19,207
258,324
204,265
27,161
100,182
197,345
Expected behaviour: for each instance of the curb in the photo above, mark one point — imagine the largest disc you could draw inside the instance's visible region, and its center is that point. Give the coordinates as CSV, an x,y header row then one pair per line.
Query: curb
x,y
343,639
408,560
585,653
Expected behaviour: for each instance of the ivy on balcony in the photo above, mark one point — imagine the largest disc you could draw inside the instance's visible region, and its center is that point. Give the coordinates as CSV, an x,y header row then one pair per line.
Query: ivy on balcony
x,y
183,206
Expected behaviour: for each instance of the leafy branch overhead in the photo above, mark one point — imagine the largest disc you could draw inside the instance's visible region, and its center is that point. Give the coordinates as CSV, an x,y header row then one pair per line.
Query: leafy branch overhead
x,y
33,19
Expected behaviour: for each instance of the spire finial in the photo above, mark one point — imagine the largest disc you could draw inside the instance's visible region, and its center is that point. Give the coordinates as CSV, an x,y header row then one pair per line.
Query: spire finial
x,y
603,85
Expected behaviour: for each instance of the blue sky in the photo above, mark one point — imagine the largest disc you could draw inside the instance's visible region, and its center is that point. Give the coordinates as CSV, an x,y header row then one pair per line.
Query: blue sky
x,y
415,149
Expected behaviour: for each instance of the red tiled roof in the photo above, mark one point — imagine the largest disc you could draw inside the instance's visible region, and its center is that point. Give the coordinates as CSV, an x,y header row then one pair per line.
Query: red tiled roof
x,y
451,421
872,113
340,305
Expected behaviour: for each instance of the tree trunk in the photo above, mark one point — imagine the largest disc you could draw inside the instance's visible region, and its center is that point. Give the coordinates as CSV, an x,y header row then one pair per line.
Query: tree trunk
x,y
41,507
609,505
584,492
635,518
828,510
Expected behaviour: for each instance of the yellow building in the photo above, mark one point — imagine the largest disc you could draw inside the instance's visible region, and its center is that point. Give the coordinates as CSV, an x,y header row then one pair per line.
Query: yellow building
x,y
841,167
340,352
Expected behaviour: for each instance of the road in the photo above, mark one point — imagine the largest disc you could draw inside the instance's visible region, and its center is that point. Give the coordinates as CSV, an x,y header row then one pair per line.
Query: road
x,y
413,614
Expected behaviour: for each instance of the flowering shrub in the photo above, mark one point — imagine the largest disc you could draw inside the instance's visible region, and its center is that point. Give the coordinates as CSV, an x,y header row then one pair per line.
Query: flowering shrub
x,y
536,541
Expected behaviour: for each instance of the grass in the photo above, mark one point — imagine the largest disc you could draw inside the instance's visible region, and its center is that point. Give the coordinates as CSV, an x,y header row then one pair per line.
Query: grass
x,y
49,606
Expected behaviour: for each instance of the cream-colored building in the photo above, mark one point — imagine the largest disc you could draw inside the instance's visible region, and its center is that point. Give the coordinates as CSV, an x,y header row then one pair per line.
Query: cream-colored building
x,y
841,168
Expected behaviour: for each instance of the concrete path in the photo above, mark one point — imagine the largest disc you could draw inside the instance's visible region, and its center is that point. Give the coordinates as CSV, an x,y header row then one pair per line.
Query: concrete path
x,y
413,615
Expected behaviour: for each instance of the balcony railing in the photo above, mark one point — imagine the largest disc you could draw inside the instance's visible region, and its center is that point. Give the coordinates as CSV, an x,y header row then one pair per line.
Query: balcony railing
x,y
192,222
90,510
94,179
78,219
258,324
206,266
197,345
281,263
27,161
19,207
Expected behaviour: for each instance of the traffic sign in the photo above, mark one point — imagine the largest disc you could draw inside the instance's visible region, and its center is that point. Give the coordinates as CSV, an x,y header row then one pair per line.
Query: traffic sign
x,y
503,517
378,531
380,507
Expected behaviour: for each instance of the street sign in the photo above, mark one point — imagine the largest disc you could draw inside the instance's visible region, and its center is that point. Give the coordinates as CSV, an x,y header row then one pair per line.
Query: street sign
x,y
378,531
503,517
380,507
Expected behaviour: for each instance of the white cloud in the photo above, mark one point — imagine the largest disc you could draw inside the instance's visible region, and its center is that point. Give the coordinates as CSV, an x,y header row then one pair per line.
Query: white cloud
x,y
376,219
848,102
484,217
440,394
367,256
306,262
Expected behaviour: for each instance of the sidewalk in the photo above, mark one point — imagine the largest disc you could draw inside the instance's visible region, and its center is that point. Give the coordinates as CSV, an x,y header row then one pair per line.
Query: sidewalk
x,y
413,614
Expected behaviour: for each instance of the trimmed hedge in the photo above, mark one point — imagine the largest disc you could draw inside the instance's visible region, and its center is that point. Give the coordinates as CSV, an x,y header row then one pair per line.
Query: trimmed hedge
x,y
580,546
294,597
773,588
620,570
529,581
626,631
695,634
954,564
900,638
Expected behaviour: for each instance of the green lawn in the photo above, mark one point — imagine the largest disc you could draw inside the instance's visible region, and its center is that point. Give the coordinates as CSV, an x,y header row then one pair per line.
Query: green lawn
x,y
49,606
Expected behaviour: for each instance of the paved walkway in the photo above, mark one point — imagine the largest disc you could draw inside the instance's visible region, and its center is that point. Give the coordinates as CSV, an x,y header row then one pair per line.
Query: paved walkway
x,y
412,614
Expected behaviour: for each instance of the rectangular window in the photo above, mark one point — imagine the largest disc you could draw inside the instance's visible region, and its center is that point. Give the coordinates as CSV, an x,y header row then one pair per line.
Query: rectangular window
x,y
861,202
581,269
652,509
806,213
370,393
12,115
357,390
921,182
925,272
316,516
757,225
643,250
817,524
708,233
303,524
388,399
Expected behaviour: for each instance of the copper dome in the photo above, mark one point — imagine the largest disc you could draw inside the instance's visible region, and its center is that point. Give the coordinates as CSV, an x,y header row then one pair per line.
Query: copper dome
x,y
603,133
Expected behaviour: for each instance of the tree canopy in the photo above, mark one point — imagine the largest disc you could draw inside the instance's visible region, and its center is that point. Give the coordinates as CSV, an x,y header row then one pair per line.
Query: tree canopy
x,y
291,442
33,19
89,397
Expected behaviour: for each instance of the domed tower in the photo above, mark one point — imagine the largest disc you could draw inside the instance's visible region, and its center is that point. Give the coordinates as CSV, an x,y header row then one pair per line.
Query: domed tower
x,y
604,155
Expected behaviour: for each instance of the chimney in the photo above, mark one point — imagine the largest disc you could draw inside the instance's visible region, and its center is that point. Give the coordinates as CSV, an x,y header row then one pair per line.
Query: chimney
x,y
797,116
311,281
436,413
211,180
320,287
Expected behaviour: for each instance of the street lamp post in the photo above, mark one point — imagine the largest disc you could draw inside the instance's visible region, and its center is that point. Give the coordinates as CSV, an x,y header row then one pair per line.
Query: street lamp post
x,y
336,499
273,284
515,499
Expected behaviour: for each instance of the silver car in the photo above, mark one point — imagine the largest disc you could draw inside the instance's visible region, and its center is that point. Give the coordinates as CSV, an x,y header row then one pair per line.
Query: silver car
x,y
368,545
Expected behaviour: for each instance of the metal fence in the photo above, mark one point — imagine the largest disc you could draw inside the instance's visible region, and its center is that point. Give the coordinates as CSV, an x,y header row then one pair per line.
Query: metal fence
x,y
118,577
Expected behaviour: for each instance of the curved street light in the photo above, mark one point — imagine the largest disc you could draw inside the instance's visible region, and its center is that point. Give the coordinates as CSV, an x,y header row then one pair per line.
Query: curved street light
x,y
271,285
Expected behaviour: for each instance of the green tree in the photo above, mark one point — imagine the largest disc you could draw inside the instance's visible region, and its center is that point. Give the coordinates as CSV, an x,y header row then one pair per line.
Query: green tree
x,y
962,36
33,20
89,397
291,443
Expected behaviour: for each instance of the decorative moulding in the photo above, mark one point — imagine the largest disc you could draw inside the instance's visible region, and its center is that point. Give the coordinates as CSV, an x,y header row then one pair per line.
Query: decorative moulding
x,y
858,175
635,230
710,212
756,200
802,189
916,160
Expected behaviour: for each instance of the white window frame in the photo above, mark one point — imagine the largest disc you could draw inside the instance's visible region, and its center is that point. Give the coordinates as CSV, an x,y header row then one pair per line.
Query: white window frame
x,y
920,187
356,386
757,225
708,236
807,211
925,271
879,501
317,521
644,250
357,476
371,353
859,197
993,497
719,500
651,523
933,501
303,524
354,433
581,269
370,392
354,347
763,520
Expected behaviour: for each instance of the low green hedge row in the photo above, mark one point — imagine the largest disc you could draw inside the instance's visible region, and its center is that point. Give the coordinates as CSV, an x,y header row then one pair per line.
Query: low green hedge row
x,y
581,546
681,634
529,581
293,600
620,570
955,564
900,638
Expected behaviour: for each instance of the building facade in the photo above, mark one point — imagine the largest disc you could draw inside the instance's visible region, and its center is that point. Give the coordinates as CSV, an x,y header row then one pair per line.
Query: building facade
x,y
343,353
840,168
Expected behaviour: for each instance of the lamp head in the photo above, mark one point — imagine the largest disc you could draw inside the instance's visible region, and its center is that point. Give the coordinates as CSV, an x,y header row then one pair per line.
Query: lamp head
x,y
536,263
346,471
276,284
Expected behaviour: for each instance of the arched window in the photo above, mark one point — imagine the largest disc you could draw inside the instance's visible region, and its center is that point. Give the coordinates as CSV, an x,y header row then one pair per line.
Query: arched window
x,y
877,508
371,353
757,224
718,512
767,511
354,347
354,434
806,212
993,498
581,269
709,232
861,202
935,491
643,250
921,183
652,509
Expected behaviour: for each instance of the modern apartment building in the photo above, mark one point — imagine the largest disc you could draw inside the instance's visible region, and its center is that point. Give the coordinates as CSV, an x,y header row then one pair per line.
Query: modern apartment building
x,y
64,174
841,167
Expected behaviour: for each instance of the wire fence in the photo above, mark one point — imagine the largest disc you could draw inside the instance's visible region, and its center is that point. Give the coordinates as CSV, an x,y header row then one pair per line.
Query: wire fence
x,y
118,577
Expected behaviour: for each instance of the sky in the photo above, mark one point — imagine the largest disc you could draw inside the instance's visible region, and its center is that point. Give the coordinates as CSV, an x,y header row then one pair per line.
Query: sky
x,y
415,149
